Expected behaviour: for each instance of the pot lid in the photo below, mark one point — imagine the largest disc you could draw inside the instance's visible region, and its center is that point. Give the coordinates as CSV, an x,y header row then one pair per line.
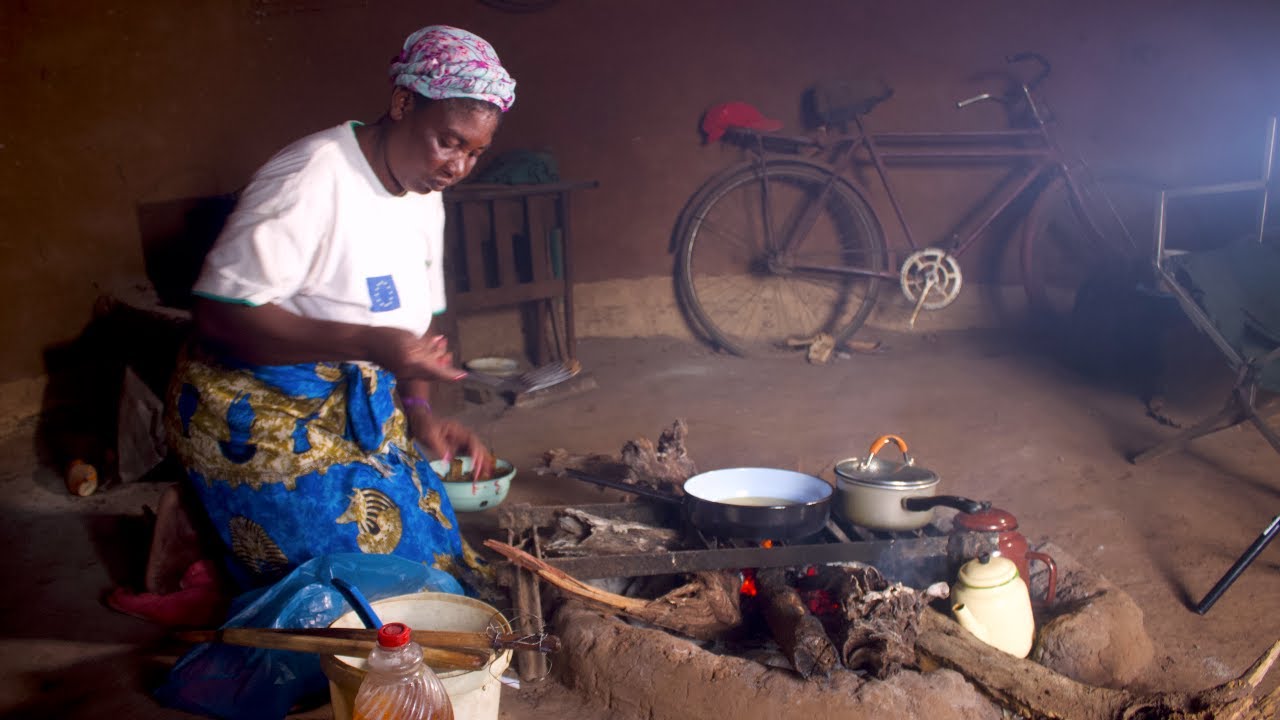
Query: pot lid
x,y
878,472
990,520
987,571
885,473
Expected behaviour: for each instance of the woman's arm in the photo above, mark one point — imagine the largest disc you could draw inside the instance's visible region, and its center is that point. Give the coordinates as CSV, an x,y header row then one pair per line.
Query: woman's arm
x,y
443,437
271,335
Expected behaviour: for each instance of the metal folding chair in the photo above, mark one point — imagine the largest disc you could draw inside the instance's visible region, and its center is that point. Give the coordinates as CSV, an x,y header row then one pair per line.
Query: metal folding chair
x,y
1254,363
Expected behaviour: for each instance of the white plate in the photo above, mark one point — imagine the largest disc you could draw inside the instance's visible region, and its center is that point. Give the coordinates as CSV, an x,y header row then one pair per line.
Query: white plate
x,y
500,366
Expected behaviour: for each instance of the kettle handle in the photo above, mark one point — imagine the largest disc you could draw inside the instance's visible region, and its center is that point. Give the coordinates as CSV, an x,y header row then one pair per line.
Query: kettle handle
x,y
883,440
1051,592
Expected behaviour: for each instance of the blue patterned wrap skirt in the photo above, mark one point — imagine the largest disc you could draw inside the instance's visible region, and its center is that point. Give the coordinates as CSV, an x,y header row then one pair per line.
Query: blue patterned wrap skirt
x,y
297,461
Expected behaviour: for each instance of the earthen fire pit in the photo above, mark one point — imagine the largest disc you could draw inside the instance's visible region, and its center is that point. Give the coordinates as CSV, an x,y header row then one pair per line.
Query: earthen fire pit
x,y
1092,638
622,652
1096,636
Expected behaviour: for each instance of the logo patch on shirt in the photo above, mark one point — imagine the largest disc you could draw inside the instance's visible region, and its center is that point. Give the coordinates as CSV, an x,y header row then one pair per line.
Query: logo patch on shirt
x,y
382,293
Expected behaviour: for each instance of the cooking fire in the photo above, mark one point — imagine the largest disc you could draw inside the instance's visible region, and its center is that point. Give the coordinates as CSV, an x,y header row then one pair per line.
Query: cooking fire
x,y
854,579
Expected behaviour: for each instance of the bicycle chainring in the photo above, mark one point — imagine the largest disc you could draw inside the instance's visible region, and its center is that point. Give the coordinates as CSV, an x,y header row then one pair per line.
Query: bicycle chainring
x,y
931,265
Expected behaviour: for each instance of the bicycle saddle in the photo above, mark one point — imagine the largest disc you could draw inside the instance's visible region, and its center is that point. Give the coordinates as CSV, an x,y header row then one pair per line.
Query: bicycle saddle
x,y
838,103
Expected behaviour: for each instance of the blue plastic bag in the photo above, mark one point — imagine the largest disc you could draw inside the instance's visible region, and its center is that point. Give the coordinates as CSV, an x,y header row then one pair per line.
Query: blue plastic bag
x,y
228,681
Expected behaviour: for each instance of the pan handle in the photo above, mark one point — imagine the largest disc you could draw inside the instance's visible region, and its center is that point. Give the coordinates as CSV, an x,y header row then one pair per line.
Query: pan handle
x,y
643,492
928,502
883,440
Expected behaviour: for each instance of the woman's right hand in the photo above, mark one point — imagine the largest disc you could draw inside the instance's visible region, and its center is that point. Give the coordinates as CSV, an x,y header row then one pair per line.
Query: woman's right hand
x,y
409,356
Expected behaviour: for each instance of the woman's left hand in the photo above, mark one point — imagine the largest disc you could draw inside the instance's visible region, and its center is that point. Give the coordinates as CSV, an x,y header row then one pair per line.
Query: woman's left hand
x,y
446,438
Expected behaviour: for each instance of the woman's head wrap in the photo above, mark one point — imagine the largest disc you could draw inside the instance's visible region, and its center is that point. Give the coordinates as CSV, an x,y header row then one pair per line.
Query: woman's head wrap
x,y
443,62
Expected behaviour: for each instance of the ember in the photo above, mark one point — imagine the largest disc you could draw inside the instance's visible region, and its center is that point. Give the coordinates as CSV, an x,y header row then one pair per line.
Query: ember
x,y
821,602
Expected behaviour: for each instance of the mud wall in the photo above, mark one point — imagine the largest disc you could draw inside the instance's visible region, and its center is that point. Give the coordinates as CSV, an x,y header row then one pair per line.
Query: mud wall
x,y
110,107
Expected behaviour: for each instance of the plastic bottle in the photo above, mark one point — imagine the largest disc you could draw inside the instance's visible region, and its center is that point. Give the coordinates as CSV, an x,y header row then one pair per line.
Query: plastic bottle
x,y
398,685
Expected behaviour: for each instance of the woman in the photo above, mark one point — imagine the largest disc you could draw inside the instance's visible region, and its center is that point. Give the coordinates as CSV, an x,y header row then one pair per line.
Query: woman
x,y
296,411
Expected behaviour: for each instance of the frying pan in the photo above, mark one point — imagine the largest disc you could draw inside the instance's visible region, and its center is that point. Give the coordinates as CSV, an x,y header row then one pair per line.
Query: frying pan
x,y
744,503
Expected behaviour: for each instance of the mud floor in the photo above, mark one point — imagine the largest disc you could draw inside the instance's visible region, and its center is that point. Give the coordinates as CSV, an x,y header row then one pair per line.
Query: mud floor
x,y
996,418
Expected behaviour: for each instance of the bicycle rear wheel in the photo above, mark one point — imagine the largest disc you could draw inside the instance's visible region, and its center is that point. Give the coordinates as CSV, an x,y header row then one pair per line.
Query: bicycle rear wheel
x,y
746,293
1102,229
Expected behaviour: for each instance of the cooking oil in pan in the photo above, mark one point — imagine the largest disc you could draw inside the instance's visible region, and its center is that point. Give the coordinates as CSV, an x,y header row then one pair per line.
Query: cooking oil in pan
x,y
758,501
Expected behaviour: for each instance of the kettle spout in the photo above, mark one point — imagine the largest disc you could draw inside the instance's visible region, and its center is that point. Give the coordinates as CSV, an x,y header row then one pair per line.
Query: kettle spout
x,y
970,623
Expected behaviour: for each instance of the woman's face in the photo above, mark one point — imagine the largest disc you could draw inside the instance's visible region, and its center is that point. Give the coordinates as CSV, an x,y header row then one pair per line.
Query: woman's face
x,y
433,145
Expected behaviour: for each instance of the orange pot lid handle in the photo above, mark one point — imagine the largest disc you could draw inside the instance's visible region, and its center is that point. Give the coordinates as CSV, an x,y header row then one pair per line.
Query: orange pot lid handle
x,y
883,440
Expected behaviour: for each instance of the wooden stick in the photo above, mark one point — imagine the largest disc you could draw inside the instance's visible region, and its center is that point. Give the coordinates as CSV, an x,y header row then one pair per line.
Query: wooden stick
x,y
436,658
704,609
476,643
563,580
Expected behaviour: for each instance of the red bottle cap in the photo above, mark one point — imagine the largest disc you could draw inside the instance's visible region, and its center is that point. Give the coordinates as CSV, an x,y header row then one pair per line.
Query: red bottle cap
x,y
393,635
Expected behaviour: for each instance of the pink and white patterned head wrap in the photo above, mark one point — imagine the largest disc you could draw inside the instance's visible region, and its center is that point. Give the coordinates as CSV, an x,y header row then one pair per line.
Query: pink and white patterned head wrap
x,y
443,62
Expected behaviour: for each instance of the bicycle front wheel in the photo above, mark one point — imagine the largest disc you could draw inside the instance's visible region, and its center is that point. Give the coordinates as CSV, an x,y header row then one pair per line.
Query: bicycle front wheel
x,y
777,254
1082,232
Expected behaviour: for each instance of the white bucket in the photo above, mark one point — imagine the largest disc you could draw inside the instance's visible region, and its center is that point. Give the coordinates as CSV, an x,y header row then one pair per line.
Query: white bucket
x,y
474,693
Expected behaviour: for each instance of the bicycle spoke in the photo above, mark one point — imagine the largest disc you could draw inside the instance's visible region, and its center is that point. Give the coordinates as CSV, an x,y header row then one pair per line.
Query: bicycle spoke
x,y
725,233
750,299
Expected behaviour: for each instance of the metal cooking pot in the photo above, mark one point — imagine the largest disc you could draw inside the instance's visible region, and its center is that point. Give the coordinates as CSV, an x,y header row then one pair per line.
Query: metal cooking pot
x,y
744,503
884,495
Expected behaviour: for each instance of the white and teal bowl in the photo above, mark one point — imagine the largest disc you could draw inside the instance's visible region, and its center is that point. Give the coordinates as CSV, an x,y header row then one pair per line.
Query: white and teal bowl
x,y
470,496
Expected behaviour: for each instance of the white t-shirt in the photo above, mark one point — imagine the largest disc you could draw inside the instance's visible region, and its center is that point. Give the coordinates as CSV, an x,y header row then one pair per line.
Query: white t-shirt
x,y
316,233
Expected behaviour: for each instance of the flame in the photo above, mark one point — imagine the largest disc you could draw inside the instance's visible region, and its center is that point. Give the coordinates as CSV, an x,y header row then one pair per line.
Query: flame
x,y
748,587
766,543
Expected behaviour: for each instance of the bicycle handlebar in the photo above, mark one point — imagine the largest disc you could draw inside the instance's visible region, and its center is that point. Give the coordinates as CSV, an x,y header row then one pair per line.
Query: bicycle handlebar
x,y
1045,67
977,98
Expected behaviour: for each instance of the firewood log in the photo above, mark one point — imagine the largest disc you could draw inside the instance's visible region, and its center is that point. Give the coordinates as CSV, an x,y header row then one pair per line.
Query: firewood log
x,y
1033,690
580,533
877,621
800,635
664,466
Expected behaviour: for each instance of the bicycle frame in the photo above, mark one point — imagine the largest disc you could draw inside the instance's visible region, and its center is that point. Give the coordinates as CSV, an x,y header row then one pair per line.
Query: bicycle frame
x,y
787,245
964,148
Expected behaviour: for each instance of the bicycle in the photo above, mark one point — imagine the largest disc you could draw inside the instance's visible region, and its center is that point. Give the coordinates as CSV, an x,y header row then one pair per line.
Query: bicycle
x,y
783,246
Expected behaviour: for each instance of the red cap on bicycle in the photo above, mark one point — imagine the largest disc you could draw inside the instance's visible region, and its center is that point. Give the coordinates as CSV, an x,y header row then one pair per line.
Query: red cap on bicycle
x,y
735,114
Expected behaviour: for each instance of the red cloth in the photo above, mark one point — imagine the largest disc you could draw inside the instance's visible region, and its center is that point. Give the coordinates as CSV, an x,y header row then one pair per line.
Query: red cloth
x,y
199,603
735,114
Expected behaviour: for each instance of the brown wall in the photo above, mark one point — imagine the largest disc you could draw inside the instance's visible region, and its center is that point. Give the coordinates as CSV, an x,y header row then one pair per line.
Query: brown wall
x,y
106,106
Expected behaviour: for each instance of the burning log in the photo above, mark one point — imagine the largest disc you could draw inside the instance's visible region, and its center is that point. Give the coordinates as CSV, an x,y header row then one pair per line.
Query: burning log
x,y
704,609
882,621
797,631
873,621
1033,690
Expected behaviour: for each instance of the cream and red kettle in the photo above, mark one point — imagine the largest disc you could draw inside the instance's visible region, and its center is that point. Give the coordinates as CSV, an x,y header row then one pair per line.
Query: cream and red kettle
x,y
991,601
